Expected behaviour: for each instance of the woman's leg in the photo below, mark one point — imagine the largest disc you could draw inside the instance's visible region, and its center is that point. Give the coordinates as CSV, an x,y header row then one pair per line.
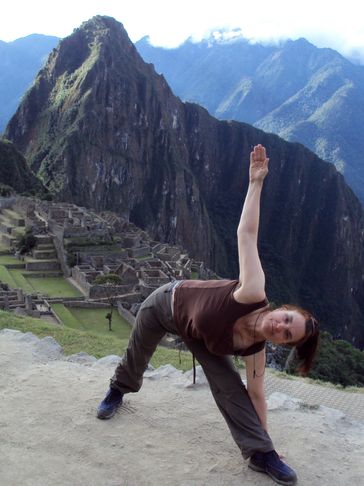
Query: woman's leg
x,y
233,401
153,320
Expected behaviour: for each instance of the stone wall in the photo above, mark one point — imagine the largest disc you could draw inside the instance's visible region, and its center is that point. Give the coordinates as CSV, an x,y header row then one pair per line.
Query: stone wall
x,y
127,315
7,202
109,291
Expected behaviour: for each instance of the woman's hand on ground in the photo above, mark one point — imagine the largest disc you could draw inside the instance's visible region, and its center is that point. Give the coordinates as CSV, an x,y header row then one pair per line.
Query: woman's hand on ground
x,y
258,164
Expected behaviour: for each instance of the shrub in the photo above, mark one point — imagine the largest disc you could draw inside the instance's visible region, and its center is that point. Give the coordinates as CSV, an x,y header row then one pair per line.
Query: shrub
x,y
27,242
108,279
71,259
6,191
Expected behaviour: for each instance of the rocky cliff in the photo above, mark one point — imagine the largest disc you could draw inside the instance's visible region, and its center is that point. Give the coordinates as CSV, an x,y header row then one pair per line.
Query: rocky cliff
x,y
104,130
15,173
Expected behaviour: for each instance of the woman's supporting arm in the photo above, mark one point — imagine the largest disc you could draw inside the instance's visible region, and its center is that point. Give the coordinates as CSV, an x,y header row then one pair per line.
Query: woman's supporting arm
x,y
251,277
255,367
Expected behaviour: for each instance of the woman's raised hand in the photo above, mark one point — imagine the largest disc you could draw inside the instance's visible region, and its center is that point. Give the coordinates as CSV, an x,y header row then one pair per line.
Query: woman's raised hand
x,y
258,164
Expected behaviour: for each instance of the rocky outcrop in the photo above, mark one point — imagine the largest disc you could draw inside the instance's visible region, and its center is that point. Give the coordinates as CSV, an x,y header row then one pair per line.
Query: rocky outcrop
x,y
105,131
15,173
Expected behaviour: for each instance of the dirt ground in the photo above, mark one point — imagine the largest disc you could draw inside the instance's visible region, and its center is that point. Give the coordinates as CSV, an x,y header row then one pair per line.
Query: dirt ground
x,y
170,433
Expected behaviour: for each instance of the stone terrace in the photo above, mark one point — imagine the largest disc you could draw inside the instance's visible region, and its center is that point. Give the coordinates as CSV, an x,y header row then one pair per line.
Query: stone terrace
x,y
77,243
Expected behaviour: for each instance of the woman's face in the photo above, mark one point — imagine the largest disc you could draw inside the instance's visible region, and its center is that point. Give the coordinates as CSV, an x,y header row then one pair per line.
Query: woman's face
x,y
283,326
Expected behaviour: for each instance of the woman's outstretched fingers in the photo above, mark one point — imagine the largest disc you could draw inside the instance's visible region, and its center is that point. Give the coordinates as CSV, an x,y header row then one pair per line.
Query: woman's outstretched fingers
x,y
258,163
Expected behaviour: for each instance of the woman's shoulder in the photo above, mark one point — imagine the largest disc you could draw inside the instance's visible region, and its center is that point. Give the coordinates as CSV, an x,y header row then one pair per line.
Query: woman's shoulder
x,y
243,296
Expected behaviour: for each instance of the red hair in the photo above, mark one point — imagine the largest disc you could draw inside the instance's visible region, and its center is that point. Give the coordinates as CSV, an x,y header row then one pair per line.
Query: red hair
x,y
306,348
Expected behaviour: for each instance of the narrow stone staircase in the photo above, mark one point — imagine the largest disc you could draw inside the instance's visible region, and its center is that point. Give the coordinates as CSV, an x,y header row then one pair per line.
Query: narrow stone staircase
x,y
12,227
44,257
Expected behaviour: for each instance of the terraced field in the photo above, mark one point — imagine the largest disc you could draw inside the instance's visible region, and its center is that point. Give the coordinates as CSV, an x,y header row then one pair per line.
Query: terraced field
x,y
93,320
19,277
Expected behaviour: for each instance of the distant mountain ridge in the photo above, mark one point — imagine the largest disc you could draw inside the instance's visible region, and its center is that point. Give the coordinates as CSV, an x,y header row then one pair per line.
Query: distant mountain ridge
x,y
20,61
104,130
302,93
296,90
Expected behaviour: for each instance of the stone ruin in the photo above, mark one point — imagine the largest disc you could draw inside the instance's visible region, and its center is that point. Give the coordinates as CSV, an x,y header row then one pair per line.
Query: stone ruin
x,y
83,245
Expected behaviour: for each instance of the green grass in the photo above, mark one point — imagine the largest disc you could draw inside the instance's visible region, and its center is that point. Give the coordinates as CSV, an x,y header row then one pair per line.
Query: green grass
x,y
92,320
50,286
194,275
18,231
32,259
53,286
6,277
20,280
66,316
8,260
95,344
9,213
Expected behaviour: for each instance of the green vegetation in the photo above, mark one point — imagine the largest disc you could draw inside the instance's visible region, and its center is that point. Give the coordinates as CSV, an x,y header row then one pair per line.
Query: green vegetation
x,y
146,257
71,259
338,362
6,277
67,318
93,320
5,190
95,344
108,279
9,260
53,286
27,242
18,278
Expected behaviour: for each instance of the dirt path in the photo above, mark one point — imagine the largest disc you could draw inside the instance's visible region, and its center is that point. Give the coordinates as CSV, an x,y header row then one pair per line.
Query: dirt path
x,y
170,433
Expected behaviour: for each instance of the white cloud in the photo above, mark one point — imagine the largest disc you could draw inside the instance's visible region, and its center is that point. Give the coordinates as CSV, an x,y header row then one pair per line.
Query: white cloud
x,y
169,22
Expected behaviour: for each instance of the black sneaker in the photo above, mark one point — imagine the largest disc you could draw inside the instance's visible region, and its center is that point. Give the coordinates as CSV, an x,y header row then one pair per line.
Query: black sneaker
x,y
271,464
110,404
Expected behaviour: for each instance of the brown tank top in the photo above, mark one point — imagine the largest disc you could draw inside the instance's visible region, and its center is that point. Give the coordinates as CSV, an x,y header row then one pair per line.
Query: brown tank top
x,y
207,310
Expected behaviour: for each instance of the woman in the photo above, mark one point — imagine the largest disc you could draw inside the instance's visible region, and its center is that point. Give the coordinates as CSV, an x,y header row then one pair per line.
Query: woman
x,y
217,319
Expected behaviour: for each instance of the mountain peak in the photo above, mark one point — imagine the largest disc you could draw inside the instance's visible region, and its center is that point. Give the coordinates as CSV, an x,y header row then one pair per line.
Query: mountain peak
x,y
100,22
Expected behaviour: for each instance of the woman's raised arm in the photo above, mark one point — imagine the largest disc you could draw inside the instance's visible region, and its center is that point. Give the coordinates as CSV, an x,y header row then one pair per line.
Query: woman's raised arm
x,y
252,279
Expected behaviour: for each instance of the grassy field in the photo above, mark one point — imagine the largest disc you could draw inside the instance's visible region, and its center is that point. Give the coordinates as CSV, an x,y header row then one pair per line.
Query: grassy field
x,y
51,286
92,320
95,344
6,277
8,259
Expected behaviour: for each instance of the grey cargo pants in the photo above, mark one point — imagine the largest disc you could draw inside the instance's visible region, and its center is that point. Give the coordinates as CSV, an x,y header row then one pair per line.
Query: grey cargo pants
x,y
154,319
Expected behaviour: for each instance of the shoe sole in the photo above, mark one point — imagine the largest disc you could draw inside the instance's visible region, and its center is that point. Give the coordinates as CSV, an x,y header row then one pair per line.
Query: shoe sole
x,y
279,481
106,417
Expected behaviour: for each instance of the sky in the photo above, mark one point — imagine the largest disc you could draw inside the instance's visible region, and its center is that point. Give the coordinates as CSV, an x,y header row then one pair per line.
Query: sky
x,y
325,23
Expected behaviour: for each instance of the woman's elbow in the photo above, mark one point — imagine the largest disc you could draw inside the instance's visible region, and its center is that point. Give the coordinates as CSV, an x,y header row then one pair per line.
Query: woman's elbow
x,y
244,234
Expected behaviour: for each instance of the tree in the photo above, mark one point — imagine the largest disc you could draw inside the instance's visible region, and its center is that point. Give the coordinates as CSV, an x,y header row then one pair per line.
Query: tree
x,y
108,281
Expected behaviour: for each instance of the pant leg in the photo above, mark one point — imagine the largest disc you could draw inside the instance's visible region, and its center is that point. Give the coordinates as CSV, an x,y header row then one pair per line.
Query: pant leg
x,y
153,320
232,400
